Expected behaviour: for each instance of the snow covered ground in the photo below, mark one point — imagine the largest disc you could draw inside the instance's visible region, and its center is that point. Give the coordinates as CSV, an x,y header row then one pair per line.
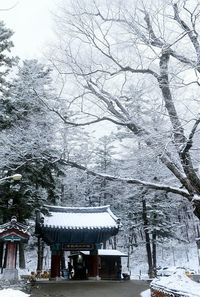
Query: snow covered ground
x,y
178,282
172,254
146,293
12,293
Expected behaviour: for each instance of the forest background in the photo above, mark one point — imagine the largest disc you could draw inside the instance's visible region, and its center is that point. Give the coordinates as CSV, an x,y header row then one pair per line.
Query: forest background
x,y
111,117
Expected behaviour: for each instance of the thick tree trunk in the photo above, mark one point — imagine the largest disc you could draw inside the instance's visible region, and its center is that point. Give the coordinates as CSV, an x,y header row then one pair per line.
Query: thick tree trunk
x,y
183,145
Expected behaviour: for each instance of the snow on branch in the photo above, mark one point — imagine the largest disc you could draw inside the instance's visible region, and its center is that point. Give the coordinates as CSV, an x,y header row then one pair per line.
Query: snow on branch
x,y
109,100
189,142
78,124
158,42
191,33
149,185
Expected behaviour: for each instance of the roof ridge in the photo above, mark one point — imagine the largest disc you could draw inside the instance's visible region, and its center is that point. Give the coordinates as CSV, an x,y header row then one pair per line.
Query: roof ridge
x,y
76,209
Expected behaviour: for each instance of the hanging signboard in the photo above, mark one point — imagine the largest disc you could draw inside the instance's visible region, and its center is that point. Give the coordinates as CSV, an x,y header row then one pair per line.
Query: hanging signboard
x,y
77,247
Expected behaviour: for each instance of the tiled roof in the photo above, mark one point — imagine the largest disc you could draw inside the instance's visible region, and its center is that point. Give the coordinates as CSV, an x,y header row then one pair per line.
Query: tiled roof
x,y
80,218
13,224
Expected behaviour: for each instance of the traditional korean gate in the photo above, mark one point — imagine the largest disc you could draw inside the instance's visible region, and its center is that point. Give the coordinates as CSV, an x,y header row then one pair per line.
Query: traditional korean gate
x,y
75,229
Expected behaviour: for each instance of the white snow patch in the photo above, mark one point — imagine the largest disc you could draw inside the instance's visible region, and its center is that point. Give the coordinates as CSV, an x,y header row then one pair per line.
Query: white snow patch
x,y
178,282
12,293
146,293
107,252
172,254
196,198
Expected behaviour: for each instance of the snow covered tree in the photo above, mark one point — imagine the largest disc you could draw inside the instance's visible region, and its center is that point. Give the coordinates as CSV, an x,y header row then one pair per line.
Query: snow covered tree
x,y
102,192
6,63
111,49
27,144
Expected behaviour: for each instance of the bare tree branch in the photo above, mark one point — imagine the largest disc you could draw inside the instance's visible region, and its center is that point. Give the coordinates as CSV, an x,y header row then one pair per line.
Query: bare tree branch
x,y
193,37
9,8
189,142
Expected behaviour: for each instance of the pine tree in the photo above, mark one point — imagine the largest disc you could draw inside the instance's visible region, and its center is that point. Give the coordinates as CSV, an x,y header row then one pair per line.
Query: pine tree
x,y
6,63
26,143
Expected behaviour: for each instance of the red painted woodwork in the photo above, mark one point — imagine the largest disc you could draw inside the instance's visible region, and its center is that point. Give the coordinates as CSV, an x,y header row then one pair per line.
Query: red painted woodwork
x,y
11,255
94,262
55,265
15,233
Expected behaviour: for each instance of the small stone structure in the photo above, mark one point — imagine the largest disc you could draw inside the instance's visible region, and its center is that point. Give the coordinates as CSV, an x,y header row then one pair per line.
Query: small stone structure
x,y
11,235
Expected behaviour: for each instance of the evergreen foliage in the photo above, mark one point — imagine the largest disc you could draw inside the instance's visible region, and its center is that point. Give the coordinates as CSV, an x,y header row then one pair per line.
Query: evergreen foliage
x,y
6,63
27,143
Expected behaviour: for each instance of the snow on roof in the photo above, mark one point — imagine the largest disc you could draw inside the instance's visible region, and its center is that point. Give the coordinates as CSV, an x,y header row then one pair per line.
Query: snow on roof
x,y
105,252
13,224
80,217
179,283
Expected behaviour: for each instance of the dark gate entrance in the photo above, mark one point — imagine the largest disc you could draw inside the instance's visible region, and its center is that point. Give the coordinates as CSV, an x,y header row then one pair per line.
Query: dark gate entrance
x,y
77,229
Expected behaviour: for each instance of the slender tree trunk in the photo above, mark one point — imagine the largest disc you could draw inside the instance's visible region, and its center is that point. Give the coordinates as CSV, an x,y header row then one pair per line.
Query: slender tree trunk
x,y
5,256
173,254
22,264
115,242
135,239
104,244
154,252
128,258
62,193
40,254
147,238
1,253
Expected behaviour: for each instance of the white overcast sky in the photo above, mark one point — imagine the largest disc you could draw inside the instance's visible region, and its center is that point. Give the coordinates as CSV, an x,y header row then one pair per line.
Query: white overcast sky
x,y
33,25
32,22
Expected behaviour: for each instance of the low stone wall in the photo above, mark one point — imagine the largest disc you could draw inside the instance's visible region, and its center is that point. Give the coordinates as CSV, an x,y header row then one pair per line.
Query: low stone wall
x,y
176,285
195,277
159,291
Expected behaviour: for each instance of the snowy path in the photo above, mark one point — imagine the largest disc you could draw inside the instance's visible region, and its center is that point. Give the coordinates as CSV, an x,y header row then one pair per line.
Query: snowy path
x,y
90,289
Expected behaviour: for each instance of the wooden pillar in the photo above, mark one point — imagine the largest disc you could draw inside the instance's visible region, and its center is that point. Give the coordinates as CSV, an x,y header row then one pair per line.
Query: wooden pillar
x,y
55,264
94,268
11,255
